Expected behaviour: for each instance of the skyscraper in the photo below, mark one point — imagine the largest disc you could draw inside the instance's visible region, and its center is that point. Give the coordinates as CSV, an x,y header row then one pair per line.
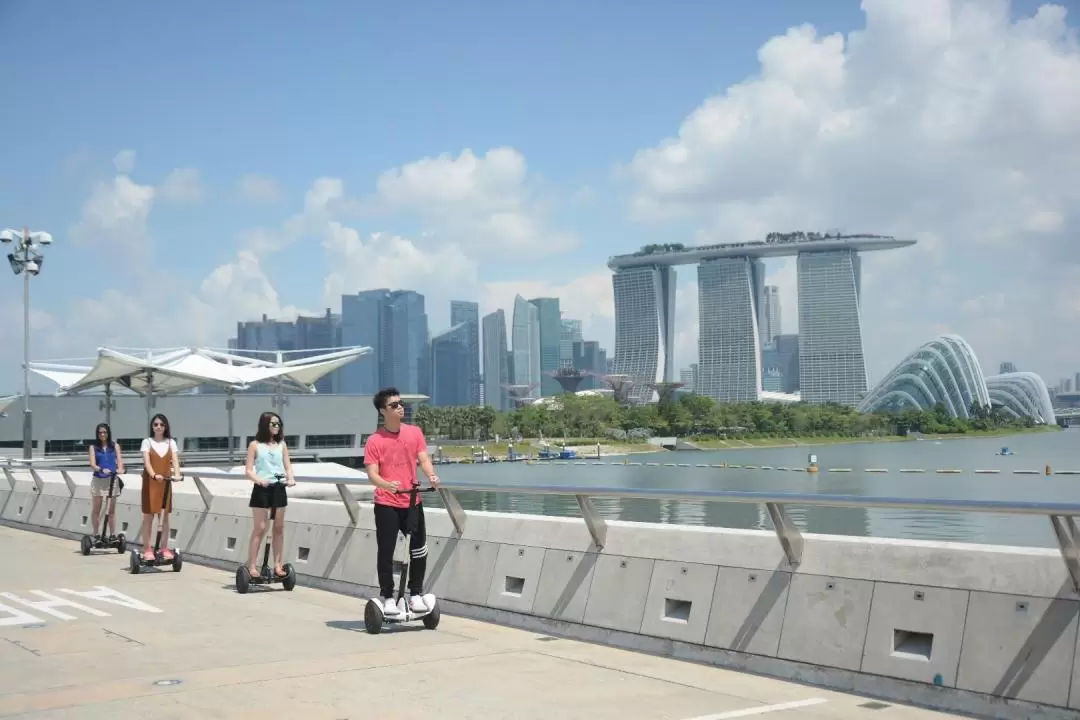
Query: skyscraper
x,y
550,319
394,325
496,370
729,349
571,333
405,328
361,325
450,367
645,325
463,311
832,365
526,342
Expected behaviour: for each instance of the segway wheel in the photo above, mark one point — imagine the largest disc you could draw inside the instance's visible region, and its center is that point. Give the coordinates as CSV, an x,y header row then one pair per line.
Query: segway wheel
x,y
177,561
431,620
121,543
243,579
373,618
289,581
85,544
134,563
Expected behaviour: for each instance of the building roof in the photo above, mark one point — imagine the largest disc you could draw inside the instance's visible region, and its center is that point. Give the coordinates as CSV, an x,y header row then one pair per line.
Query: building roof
x,y
172,371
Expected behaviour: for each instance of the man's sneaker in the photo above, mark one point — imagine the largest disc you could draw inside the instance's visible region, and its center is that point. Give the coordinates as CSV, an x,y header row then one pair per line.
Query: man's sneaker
x,y
389,606
417,604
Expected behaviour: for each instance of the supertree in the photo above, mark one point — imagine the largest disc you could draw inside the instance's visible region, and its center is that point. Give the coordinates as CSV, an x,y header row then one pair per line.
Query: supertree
x,y
569,379
520,393
665,390
621,386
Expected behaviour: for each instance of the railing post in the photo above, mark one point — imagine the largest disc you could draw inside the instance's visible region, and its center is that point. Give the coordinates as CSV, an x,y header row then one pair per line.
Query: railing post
x,y
10,478
204,492
351,505
1069,542
453,509
595,523
39,484
69,482
791,539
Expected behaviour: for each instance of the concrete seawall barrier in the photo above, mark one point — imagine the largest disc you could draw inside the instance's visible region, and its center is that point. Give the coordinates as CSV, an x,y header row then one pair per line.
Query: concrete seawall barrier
x,y
986,630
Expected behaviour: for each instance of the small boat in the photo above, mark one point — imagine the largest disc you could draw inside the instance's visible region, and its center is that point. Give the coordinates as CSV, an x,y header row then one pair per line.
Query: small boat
x,y
1004,451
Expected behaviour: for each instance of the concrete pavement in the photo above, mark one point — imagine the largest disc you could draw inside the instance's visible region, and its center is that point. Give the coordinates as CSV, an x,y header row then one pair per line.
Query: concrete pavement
x,y
82,638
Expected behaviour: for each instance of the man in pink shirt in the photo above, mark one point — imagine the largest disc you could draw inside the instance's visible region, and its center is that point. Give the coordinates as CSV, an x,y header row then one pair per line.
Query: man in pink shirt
x,y
390,458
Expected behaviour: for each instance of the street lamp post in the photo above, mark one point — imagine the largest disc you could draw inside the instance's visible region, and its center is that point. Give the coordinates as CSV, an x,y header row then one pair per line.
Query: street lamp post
x,y
27,260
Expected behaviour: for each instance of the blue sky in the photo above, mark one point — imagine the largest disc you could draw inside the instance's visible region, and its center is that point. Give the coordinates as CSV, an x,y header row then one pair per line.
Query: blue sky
x,y
580,91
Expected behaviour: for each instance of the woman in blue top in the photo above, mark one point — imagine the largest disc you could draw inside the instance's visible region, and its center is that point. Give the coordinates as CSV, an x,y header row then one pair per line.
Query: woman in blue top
x,y
267,459
105,460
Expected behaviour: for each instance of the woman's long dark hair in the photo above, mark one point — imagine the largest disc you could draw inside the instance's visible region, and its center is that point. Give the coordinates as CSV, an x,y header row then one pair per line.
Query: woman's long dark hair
x,y
108,436
263,434
164,421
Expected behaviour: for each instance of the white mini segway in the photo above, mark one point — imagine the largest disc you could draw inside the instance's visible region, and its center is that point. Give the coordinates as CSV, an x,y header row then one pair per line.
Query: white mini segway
x,y
375,617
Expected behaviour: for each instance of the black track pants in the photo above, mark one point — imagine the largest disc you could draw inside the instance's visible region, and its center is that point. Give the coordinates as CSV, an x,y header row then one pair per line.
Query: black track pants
x,y
389,521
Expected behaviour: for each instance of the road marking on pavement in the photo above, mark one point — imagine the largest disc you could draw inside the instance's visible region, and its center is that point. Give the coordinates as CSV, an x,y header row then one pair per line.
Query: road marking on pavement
x,y
761,710
50,604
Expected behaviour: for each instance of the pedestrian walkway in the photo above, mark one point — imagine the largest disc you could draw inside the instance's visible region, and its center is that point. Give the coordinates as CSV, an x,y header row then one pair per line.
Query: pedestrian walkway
x,y
82,638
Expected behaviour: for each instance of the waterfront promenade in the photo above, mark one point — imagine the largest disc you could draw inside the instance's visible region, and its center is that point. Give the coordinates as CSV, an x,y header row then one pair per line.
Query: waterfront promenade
x,y
304,653
986,630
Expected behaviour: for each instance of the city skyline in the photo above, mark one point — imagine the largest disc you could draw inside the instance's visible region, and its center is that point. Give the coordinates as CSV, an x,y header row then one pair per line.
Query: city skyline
x,y
184,197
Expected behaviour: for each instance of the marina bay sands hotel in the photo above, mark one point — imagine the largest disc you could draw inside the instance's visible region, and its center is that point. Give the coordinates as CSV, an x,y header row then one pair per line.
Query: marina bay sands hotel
x,y
731,291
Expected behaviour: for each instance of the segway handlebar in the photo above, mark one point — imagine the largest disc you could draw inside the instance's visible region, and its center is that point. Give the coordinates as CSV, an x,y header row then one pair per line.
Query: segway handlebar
x,y
415,489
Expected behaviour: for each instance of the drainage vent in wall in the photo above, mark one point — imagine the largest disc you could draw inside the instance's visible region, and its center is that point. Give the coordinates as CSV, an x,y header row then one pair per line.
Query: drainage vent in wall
x,y
230,543
514,586
50,515
914,645
85,519
302,554
677,610
124,526
172,533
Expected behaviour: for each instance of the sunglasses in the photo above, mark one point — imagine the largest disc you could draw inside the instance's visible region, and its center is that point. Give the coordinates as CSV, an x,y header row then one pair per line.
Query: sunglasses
x,y
275,423
395,405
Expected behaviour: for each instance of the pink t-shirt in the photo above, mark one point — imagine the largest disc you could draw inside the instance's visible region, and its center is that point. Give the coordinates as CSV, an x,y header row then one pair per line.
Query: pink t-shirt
x,y
396,455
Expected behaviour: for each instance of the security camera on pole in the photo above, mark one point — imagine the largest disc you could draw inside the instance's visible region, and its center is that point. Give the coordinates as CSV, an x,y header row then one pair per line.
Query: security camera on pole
x,y
27,259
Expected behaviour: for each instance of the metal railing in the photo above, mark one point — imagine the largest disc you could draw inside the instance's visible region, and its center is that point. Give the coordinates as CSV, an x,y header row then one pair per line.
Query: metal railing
x,y
1061,515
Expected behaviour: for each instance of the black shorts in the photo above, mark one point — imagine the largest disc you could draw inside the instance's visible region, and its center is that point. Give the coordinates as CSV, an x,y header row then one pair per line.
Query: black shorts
x,y
271,496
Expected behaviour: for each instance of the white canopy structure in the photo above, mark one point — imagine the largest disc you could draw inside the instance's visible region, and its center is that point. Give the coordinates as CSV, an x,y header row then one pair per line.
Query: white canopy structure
x,y
168,372
173,371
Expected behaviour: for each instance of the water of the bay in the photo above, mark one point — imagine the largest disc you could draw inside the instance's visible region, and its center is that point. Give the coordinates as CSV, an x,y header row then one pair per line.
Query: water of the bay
x,y
1060,450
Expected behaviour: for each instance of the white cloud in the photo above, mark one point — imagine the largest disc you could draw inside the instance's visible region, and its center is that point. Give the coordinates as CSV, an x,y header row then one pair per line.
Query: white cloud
x,y
142,315
480,202
940,120
440,271
260,189
114,217
124,162
182,186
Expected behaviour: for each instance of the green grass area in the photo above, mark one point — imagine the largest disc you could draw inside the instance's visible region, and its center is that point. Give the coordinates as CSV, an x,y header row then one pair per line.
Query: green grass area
x,y
586,448
764,442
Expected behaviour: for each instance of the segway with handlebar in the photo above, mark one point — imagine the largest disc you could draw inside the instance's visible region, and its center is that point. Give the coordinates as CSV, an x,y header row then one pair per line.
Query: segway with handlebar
x,y
374,614
137,561
244,579
101,541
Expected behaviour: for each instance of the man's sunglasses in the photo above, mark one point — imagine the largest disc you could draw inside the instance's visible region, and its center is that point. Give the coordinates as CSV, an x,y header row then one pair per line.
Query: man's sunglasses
x,y
394,405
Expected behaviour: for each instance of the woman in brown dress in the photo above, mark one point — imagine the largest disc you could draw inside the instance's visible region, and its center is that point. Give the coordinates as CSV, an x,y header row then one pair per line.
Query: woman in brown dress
x,y
161,464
